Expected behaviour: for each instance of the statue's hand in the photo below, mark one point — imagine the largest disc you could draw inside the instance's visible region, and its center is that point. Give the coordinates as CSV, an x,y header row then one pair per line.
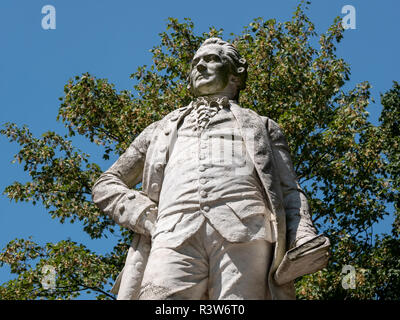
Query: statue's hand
x,y
148,220
143,224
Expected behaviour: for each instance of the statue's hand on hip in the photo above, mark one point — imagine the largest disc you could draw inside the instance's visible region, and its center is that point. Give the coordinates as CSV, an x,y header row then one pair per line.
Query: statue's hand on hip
x,y
145,224
140,222
148,221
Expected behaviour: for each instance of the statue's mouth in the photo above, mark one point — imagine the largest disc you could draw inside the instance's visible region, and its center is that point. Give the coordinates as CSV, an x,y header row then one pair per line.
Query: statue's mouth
x,y
199,76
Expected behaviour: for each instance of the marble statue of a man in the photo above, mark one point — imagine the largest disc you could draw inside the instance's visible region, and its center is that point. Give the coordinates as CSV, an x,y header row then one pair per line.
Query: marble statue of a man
x,y
220,204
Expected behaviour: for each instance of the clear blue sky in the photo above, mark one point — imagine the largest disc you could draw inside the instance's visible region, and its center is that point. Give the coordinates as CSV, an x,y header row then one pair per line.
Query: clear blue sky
x,y
111,39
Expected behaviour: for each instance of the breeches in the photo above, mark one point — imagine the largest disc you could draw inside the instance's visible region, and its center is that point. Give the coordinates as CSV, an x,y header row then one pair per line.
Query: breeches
x,y
206,266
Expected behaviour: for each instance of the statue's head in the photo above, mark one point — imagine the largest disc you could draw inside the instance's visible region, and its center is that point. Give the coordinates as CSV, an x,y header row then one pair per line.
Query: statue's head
x,y
217,68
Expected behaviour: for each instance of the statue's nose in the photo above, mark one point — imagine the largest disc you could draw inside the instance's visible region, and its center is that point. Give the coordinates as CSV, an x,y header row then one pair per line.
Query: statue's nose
x,y
201,67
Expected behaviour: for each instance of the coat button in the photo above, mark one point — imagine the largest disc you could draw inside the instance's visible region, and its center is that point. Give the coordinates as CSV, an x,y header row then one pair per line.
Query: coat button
x,y
167,131
202,168
138,265
206,208
155,187
131,196
203,194
163,148
159,166
203,180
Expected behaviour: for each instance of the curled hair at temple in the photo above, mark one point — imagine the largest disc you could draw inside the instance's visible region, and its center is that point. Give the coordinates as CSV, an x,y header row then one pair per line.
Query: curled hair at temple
x,y
237,64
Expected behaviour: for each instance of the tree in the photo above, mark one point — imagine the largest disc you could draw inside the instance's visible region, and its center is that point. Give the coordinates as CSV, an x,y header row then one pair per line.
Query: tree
x,y
347,166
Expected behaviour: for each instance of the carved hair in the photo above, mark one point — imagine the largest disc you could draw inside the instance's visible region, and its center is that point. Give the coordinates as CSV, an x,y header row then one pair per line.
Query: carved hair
x,y
238,65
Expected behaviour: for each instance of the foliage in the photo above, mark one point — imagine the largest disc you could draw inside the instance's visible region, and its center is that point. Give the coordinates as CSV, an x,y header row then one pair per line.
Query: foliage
x,y
77,270
348,167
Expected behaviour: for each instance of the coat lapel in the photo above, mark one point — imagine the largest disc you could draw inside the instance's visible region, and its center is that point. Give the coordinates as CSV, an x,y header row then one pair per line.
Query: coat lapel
x,y
161,145
258,146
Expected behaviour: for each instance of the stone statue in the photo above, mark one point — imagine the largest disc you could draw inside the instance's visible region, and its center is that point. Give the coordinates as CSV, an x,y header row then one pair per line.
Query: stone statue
x,y
220,204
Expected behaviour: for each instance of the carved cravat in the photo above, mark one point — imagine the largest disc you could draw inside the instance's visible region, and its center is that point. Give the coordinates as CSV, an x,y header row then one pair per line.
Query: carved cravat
x,y
207,107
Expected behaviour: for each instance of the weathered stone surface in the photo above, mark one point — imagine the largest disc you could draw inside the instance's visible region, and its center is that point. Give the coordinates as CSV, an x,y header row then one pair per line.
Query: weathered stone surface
x,y
220,203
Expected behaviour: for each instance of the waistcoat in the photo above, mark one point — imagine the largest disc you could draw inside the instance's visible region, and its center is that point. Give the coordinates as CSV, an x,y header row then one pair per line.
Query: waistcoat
x,y
210,176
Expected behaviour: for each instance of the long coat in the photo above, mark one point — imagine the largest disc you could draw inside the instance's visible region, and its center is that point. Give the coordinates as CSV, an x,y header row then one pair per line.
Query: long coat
x,y
144,161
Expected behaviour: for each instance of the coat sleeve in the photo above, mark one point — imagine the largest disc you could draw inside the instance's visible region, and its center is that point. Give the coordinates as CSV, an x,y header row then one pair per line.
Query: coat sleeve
x,y
112,192
298,220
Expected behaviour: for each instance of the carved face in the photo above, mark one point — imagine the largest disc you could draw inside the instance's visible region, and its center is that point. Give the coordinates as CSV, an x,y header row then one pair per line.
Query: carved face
x,y
209,74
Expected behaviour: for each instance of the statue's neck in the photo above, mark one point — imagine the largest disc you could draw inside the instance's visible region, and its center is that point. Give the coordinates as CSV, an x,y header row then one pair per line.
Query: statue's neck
x,y
215,97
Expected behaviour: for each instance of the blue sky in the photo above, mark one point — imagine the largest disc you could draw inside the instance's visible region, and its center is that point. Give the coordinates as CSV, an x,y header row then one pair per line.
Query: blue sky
x,y
110,39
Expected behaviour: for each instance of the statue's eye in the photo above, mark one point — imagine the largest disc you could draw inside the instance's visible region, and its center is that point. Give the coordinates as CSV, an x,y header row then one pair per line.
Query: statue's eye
x,y
211,57
195,62
215,58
